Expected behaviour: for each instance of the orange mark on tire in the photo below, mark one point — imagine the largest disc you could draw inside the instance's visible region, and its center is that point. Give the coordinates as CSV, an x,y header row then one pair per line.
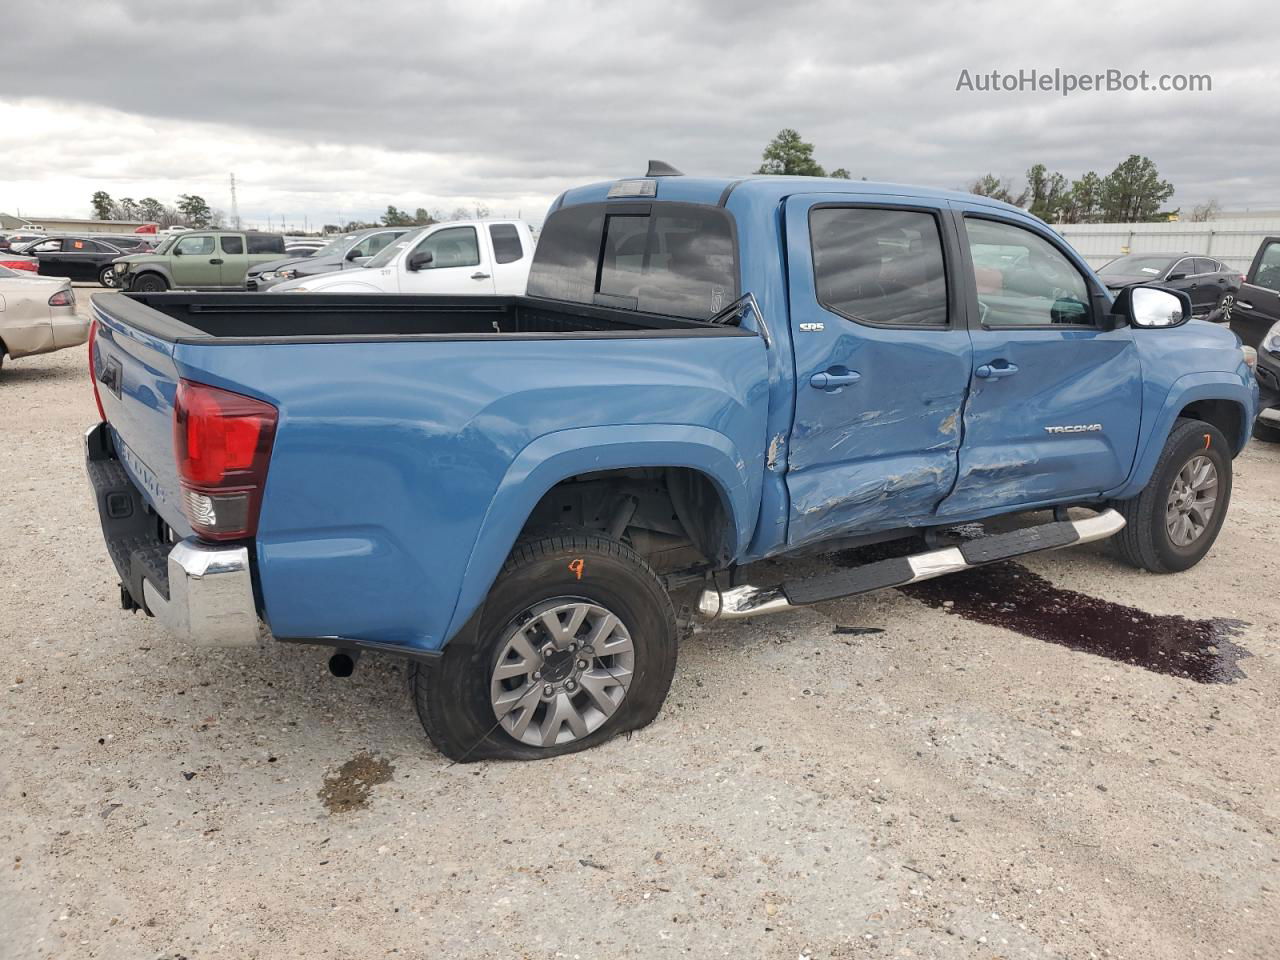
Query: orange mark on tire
x,y
576,567
1206,441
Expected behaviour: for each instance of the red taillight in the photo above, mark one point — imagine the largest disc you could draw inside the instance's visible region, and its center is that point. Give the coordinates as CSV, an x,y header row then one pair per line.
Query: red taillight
x,y
32,265
222,441
93,370
63,298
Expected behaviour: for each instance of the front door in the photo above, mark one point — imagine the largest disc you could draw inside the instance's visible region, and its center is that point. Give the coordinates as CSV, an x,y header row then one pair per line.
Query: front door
x,y
196,262
882,363
457,264
1258,302
1055,400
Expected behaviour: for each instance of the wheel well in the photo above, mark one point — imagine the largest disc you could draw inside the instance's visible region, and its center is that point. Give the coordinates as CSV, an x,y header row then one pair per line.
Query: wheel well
x,y
1223,414
674,517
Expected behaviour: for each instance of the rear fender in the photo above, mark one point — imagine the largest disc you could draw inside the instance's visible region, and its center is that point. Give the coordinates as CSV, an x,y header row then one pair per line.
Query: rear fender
x,y
558,456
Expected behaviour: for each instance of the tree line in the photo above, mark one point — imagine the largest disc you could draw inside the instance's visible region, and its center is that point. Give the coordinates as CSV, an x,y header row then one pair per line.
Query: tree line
x,y
1131,193
422,217
190,210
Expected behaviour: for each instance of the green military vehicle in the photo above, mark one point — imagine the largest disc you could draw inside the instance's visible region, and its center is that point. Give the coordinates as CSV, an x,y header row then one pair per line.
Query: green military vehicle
x,y
198,260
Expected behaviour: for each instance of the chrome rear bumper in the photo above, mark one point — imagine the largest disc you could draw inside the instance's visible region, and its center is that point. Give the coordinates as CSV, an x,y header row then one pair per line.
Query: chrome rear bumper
x,y
210,600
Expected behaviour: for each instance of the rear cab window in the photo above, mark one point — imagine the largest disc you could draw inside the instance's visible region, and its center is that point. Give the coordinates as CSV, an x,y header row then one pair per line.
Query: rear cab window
x,y
265,243
674,259
506,242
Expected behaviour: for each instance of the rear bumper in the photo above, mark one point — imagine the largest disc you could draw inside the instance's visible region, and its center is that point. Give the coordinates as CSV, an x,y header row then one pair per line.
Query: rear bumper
x,y
201,592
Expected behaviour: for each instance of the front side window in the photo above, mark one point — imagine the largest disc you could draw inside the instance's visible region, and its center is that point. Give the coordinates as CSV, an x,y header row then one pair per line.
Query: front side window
x,y
1022,279
1186,266
1206,266
451,247
194,246
664,258
1268,273
232,244
879,266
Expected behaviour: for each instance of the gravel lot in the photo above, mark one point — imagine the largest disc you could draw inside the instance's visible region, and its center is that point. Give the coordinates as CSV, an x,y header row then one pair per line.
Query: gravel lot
x,y
944,787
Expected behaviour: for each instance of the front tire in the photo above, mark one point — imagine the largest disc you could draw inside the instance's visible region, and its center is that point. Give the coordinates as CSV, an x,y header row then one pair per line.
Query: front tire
x,y
1173,522
149,283
1266,432
575,644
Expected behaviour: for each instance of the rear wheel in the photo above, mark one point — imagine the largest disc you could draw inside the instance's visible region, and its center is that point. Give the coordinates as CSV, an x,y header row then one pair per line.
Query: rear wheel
x,y
107,276
1174,521
149,283
575,643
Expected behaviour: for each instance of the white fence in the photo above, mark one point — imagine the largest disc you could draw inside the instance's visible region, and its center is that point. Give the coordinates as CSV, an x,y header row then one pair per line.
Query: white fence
x,y
1233,241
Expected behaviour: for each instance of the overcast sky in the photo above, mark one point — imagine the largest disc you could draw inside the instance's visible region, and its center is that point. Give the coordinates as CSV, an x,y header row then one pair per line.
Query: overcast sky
x,y
337,109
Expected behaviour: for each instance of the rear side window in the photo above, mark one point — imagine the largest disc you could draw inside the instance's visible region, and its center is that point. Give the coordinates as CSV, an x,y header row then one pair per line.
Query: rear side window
x,y
265,243
232,244
879,266
506,242
666,258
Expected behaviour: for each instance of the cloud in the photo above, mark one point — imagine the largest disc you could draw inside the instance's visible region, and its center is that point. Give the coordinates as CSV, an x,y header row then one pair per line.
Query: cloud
x,y
326,106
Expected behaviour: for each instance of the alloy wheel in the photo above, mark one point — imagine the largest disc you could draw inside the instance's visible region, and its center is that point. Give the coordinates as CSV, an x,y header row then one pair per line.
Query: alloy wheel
x,y
1192,498
562,672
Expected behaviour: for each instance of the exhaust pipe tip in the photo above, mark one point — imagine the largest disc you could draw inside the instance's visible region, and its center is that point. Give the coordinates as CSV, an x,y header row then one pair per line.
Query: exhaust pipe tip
x,y
343,663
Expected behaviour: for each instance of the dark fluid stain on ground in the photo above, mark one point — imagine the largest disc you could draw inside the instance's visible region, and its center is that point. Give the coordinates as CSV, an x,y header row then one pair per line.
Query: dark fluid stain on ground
x,y
349,787
1011,596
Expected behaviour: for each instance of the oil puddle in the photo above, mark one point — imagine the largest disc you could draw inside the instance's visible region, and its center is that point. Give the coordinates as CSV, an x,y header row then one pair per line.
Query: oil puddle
x,y
1011,596
350,786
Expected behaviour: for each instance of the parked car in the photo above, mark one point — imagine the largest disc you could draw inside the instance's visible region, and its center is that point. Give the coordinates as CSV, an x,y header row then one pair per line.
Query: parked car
x,y
198,260
37,315
1211,284
16,241
703,373
303,246
344,252
19,261
77,257
461,257
1256,321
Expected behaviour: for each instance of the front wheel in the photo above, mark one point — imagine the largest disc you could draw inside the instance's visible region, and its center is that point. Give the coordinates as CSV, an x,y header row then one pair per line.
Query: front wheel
x,y
1174,521
1266,431
149,283
575,644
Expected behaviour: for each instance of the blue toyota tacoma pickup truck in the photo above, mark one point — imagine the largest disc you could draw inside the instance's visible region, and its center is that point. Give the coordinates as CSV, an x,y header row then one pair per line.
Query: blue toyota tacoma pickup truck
x,y
703,373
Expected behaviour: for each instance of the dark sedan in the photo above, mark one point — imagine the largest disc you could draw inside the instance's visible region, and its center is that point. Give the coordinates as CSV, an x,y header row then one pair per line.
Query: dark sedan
x,y
80,258
1211,284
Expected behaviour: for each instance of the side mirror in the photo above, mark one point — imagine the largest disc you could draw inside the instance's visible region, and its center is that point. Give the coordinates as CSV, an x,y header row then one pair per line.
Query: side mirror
x,y
352,255
419,260
1152,308
177,252
1176,276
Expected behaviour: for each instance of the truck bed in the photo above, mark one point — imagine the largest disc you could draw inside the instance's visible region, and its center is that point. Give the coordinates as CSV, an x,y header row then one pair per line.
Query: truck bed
x,y
204,318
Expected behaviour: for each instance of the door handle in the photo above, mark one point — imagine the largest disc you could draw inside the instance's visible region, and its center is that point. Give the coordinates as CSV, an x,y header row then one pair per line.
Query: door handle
x,y
216,260
479,275
1244,304
834,379
994,371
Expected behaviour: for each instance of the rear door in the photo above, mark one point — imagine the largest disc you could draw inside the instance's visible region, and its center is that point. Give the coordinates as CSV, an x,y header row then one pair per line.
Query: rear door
x,y
1055,400
510,259
235,262
1258,302
196,262
459,264
80,258
883,361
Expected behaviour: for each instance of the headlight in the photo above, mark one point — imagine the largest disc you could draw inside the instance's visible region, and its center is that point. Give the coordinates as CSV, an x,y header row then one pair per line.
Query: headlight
x,y
120,267
286,274
269,275
1271,342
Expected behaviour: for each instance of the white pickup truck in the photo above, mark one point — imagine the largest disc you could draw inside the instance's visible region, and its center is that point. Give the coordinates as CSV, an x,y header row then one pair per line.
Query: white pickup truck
x,y
460,257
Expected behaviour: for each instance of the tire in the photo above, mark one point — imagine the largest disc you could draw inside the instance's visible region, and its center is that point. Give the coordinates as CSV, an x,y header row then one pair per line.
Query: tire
x,y
1221,311
1146,540
107,277
1266,432
549,580
149,283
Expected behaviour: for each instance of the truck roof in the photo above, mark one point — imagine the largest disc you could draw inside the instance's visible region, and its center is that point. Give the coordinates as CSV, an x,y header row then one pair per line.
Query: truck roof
x,y
770,189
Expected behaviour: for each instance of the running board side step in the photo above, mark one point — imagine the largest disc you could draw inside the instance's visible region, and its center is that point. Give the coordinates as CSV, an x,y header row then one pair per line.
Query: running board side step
x,y
749,601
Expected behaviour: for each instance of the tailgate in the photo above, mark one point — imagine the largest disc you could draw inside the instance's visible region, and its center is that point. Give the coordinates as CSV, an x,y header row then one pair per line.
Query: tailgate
x,y
137,380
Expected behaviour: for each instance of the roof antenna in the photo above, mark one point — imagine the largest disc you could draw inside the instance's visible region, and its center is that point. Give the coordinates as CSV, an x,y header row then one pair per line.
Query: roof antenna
x,y
658,168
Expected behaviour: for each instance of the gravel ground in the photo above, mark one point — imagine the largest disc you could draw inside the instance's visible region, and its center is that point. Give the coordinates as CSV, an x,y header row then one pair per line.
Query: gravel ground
x,y
943,787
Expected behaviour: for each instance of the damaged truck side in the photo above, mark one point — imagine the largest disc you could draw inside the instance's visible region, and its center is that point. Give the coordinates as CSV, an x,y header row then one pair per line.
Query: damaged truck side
x,y
703,373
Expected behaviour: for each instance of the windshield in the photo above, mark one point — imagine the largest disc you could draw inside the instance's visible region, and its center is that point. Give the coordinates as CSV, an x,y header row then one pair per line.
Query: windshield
x,y
165,244
1135,265
336,247
389,252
